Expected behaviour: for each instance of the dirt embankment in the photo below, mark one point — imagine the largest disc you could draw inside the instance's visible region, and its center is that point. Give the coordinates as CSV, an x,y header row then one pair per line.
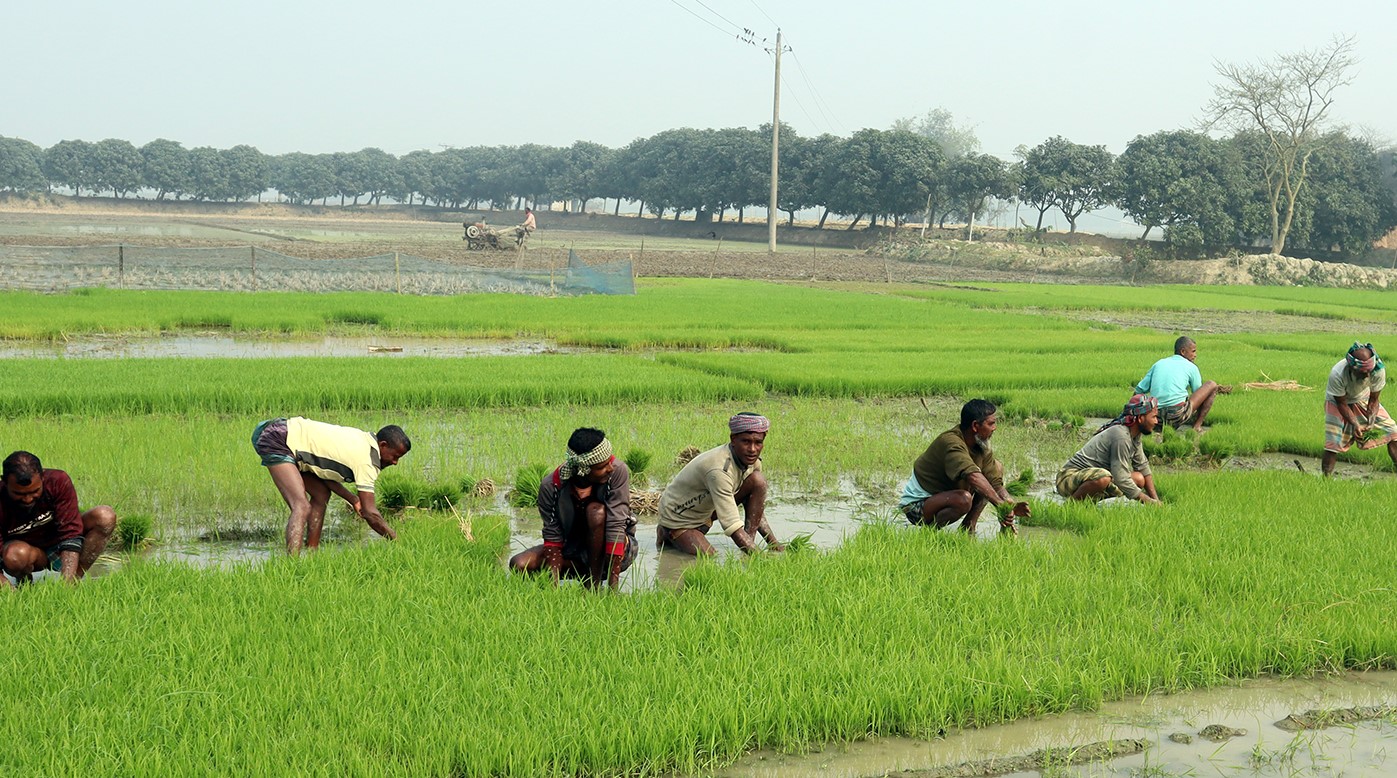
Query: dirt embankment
x,y
943,260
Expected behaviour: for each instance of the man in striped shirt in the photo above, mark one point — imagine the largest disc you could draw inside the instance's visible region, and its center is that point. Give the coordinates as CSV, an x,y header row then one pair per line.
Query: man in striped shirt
x,y
310,459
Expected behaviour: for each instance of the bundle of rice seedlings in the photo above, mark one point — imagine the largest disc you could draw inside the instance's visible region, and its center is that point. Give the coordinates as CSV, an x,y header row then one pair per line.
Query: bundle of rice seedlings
x,y
645,501
485,487
1019,486
638,459
133,531
685,456
440,497
526,482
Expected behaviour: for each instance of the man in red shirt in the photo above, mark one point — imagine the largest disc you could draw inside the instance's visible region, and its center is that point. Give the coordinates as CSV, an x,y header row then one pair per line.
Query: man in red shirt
x,y
40,526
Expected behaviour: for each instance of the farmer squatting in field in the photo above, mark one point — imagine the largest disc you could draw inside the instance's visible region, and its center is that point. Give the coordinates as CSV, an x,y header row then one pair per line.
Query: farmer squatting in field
x,y
958,475
1184,397
1113,463
712,486
311,459
585,504
40,524
1351,408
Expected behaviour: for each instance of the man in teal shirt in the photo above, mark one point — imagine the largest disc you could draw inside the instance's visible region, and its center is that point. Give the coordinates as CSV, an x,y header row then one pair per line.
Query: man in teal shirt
x,y
1184,397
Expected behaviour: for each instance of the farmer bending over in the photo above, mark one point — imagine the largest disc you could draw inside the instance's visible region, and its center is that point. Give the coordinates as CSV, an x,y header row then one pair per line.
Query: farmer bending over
x,y
40,523
1184,397
712,486
585,504
1113,463
310,459
1351,408
958,474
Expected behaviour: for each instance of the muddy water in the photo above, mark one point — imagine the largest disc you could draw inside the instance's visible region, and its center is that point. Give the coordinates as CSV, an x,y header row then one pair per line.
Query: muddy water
x,y
207,345
1363,749
827,523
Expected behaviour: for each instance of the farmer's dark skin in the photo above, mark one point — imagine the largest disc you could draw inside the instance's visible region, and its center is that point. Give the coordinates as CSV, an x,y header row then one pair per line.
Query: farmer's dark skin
x,y
946,508
21,559
308,496
1350,416
746,449
1144,425
580,487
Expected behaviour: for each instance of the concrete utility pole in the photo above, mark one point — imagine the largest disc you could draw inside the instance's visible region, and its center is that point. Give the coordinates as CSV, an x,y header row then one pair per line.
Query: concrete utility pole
x,y
775,150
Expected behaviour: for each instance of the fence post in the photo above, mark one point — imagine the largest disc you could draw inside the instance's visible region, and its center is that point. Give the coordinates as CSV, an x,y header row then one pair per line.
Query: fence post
x,y
121,265
713,265
253,250
397,273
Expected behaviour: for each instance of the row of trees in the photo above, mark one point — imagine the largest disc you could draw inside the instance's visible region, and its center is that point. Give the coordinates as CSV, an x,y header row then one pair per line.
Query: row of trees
x,y
1195,188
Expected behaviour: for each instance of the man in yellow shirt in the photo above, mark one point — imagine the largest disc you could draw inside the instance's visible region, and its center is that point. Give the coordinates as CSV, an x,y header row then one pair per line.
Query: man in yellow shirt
x,y
309,459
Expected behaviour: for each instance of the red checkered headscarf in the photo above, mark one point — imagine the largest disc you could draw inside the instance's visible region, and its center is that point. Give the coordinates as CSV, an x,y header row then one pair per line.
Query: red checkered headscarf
x,y
748,422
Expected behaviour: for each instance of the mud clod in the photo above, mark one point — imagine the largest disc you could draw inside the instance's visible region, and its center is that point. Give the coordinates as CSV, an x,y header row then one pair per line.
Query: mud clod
x,y
1181,737
1320,718
1218,733
1046,758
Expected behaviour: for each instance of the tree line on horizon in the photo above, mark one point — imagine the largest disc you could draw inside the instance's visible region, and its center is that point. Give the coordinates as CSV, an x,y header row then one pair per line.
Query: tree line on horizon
x,y
1200,191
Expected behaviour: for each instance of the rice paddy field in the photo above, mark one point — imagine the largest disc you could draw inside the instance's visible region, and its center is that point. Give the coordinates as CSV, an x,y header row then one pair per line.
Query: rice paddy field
x,y
424,657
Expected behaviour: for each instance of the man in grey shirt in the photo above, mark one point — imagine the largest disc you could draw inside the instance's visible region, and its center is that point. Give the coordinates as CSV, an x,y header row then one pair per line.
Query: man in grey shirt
x,y
1113,463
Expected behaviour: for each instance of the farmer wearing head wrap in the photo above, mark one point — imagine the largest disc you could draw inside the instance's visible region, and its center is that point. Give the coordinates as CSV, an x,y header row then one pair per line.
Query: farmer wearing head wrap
x,y
1184,397
1351,408
1113,463
958,474
712,486
585,504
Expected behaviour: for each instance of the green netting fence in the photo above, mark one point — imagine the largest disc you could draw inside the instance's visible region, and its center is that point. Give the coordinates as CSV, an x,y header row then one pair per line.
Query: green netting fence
x,y
250,268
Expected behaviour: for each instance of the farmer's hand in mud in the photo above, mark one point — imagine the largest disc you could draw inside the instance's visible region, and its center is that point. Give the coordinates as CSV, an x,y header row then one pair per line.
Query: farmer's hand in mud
x,y
1148,500
744,541
776,546
1021,510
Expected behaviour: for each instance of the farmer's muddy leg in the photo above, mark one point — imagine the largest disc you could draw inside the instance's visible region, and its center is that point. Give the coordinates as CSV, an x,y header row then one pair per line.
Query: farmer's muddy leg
x,y
752,497
972,518
689,541
1201,402
319,500
946,508
1326,464
97,527
596,544
292,486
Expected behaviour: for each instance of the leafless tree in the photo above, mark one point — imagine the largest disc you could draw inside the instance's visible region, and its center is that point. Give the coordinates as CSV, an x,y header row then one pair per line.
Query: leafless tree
x,y
1285,100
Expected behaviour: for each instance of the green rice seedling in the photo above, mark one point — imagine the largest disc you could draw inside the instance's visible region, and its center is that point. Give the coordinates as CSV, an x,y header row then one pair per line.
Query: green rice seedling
x,y
638,460
441,496
133,530
527,480
370,318
800,543
466,484
395,491
1173,445
1019,486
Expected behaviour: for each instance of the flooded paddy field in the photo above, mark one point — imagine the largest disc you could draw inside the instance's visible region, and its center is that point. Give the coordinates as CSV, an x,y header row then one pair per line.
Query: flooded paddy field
x,y
1328,725
1097,625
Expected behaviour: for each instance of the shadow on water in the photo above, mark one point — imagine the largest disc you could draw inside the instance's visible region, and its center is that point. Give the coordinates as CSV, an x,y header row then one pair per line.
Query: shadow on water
x,y
1176,730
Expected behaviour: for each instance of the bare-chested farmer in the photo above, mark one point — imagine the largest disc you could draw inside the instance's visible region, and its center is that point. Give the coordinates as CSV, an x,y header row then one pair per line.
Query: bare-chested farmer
x,y
1184,397
585,504
958,475
1351,408
310,459
712,486
1113,463
41,527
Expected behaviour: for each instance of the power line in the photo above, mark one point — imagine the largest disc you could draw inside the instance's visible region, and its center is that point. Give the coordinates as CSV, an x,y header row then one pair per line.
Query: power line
x,y
764,13
820,102
795,96
730,22
694,14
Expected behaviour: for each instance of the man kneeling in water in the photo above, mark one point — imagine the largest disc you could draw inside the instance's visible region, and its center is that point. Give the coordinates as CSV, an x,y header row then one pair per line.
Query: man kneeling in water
x,y
712,486
585,504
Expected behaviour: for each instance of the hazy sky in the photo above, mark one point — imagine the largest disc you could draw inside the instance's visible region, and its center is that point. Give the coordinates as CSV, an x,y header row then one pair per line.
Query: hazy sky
x,y
288,75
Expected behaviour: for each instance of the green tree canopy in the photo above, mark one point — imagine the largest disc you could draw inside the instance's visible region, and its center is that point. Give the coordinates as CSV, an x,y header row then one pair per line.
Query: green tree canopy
x,y
21,166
